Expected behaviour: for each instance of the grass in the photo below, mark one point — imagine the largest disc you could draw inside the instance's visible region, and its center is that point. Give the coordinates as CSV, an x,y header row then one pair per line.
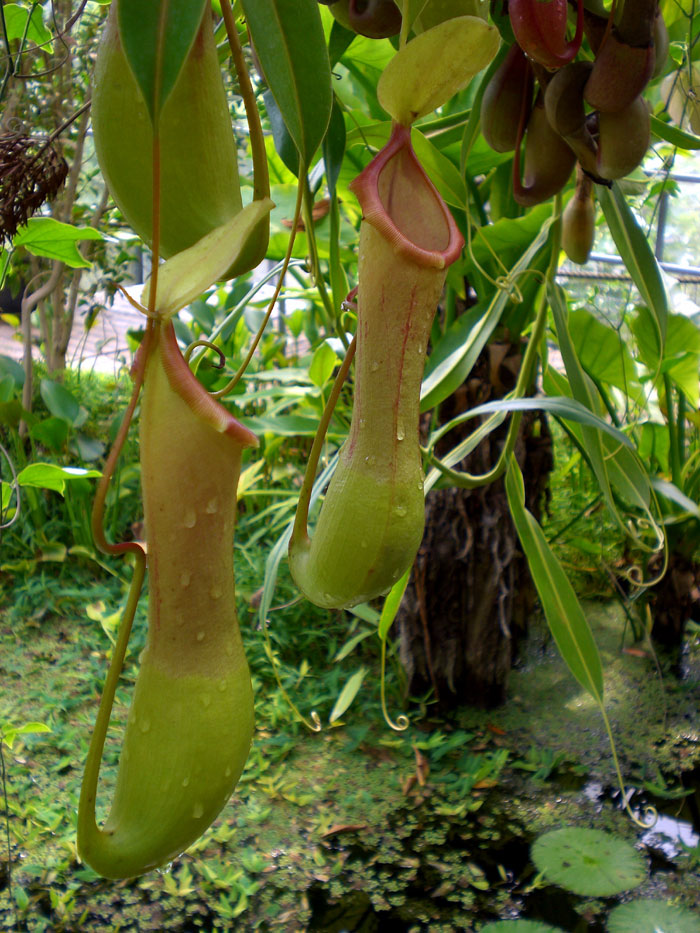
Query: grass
x,y
426,829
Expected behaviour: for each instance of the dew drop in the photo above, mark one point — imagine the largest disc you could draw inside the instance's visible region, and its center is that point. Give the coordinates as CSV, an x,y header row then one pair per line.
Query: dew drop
x,y
227,772
132,718
185,578
186,781
216,592
400,434
229,648
198,811
190,518
362,423
328,597
145,725
212,506
222,686
200,636
363,544
206,700
142,654
400,510
420,351
371,459
374,366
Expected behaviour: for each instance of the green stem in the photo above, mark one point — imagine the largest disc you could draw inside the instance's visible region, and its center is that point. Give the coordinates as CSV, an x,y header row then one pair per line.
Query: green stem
x,y
672,433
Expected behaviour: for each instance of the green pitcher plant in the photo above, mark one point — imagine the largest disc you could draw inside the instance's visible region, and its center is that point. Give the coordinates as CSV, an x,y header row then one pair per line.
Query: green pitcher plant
x,y
191,717
372,518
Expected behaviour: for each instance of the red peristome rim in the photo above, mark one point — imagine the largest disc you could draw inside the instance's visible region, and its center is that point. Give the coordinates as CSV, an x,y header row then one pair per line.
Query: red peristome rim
x,y
187,386
366,189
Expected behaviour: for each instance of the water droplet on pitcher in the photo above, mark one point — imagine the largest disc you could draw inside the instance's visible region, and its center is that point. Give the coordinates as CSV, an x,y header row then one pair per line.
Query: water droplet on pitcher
x,y
206,700
227,772
198,811
400,510
362,423
185,578
145,725
229,648
328,597
212,506
420,351
371,459
190,518
200,636
216,592
374,366
363,544
186,781
400,434
222,686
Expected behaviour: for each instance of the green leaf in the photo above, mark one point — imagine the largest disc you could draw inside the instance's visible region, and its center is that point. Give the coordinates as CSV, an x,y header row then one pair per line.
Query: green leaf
x,y
7,387
652,916
520,926
157,36
16,17
434,66
681,352
562,609
636,253
347,694
674,494
454,361
44,236
322,365
673,135
603,353
8,734
52,476
334,147
51,432
59,401
588,862
559,406
291,46
391,605
10,367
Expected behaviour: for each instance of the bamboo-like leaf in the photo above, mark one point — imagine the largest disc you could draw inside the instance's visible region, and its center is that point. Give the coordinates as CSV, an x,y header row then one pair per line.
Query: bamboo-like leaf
x,y
347,694
157,36
290,43
672,134
449,367
634,248
391,605
562,609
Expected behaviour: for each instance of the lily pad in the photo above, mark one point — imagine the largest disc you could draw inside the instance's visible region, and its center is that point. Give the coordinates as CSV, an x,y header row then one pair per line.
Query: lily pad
x,y
651,916
588,861
519,926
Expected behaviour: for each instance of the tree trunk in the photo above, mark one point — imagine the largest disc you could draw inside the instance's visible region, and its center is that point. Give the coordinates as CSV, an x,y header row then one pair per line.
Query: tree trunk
x,y
470,594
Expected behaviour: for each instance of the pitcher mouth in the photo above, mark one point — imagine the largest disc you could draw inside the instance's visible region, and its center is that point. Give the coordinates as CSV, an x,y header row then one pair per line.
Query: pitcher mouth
x,y
402,203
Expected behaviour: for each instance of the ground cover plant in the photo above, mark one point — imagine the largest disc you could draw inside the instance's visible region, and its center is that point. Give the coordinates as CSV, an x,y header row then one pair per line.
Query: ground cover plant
x,y
388,138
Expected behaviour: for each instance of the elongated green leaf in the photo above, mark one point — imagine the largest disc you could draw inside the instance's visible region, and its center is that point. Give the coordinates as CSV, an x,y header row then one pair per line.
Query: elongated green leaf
x,y
562,609
603,353
560,406
391,605
347,694
289,40
674,494
636,253
59,401
462,349
157,36
44,236
673,135
585,393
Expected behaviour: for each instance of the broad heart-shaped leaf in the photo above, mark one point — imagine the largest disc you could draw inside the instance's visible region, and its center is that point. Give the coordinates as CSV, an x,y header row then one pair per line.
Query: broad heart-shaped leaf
x,y
59,401
428,71
636,254
44,236
681,351
603,353
16,17
157,36
185,276
291,46
588,861
562,609
652,916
